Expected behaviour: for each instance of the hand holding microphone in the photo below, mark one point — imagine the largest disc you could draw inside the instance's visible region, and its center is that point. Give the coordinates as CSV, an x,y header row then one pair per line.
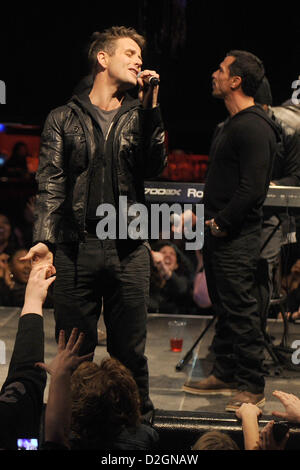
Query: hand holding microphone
x,y
148,81
148,76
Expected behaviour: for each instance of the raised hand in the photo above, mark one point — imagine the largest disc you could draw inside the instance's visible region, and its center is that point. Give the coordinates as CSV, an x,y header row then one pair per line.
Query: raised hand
x,y
39,255
67,359
267,441
37,288
248,409
291,404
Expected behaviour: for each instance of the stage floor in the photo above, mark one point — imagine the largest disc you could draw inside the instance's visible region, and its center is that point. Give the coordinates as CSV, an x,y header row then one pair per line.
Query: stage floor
x,y
165,381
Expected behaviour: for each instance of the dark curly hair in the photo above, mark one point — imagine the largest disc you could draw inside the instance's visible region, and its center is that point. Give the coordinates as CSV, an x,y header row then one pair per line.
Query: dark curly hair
x,y
105,398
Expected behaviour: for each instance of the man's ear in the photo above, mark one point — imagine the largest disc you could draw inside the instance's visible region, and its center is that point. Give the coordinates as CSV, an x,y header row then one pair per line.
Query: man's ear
x,y
236,82
102,58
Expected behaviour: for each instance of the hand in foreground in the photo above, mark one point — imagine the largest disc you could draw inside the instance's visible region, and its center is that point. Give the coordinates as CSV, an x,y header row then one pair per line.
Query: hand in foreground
x,y
291,404
249,413
186,220
159,263
248,409
39,255
37,287
267,441
59,406
67,359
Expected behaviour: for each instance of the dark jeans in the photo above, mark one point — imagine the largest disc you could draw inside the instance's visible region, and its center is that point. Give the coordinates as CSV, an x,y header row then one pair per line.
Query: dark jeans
x,y
268,274
230,267
94,272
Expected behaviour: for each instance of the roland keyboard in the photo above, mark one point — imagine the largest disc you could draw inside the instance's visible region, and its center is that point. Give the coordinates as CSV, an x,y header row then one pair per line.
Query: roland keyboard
x,y
172,192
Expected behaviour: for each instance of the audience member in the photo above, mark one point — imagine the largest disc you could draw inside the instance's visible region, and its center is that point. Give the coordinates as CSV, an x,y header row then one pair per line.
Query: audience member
x,y
200,292
253,438
106,408
170,286
96,406
8,239
291,288
249,414
14,276
215,440
16,165
13,279
291,404
21,396
267,440
264,440
59,405
25,222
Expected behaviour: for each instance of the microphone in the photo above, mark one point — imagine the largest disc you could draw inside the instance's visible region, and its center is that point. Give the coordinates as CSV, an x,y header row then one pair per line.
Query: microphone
x,y
153,81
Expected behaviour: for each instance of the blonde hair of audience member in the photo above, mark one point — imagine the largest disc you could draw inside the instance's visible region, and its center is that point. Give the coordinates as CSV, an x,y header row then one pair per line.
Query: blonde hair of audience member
x,y
215,440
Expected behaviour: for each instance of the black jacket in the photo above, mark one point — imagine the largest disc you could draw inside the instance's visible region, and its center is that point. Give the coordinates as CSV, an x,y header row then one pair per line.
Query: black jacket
x,y
286,167
241,160
68,149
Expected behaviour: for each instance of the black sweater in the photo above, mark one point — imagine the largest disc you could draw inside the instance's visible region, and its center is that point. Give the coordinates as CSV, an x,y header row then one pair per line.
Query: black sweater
x,y
21,396
241,158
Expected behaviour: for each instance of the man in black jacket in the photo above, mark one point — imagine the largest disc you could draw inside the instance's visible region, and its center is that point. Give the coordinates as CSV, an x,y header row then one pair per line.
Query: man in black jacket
x,y
98,148
286,172
241,158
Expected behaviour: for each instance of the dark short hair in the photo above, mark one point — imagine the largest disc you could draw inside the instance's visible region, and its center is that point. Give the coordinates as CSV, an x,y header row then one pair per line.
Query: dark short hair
x,y
106,41
250,68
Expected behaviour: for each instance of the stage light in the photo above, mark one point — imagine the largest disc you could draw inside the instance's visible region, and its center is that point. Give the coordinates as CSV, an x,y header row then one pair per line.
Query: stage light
x,y
2,128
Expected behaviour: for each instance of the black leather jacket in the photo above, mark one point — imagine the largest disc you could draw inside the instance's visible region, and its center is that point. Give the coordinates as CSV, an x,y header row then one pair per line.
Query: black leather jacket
x,y
68,148
289,115
286,166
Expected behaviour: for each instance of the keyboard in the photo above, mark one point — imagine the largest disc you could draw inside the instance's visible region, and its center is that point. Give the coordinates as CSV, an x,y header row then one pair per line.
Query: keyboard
x,y
171,192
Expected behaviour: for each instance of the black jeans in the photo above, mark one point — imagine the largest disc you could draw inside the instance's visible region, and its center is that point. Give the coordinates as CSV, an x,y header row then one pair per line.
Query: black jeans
x,y
269,281
230,268
95,271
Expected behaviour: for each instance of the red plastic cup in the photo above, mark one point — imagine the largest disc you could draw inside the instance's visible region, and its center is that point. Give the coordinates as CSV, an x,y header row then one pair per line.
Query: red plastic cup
x,y
176,344
176,328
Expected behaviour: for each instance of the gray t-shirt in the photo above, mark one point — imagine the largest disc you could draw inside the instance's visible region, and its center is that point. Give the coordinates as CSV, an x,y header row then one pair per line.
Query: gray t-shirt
x,y
102,169
105,118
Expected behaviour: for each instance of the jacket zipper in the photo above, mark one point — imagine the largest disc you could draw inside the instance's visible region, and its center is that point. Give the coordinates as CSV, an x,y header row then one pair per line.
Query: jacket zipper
x,y
104,161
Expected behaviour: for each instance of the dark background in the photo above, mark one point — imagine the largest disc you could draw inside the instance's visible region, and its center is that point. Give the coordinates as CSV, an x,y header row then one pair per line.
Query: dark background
x,y
43,54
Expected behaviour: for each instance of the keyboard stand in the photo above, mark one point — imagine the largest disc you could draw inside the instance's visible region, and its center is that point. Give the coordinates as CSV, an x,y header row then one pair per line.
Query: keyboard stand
x,y
281,354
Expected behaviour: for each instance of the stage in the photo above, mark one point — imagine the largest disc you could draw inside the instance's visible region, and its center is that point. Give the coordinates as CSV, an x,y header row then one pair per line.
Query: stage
x,y
165,381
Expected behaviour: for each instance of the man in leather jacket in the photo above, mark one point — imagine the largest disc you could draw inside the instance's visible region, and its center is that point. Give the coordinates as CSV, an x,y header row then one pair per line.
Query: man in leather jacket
x,y
286,172
100,146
